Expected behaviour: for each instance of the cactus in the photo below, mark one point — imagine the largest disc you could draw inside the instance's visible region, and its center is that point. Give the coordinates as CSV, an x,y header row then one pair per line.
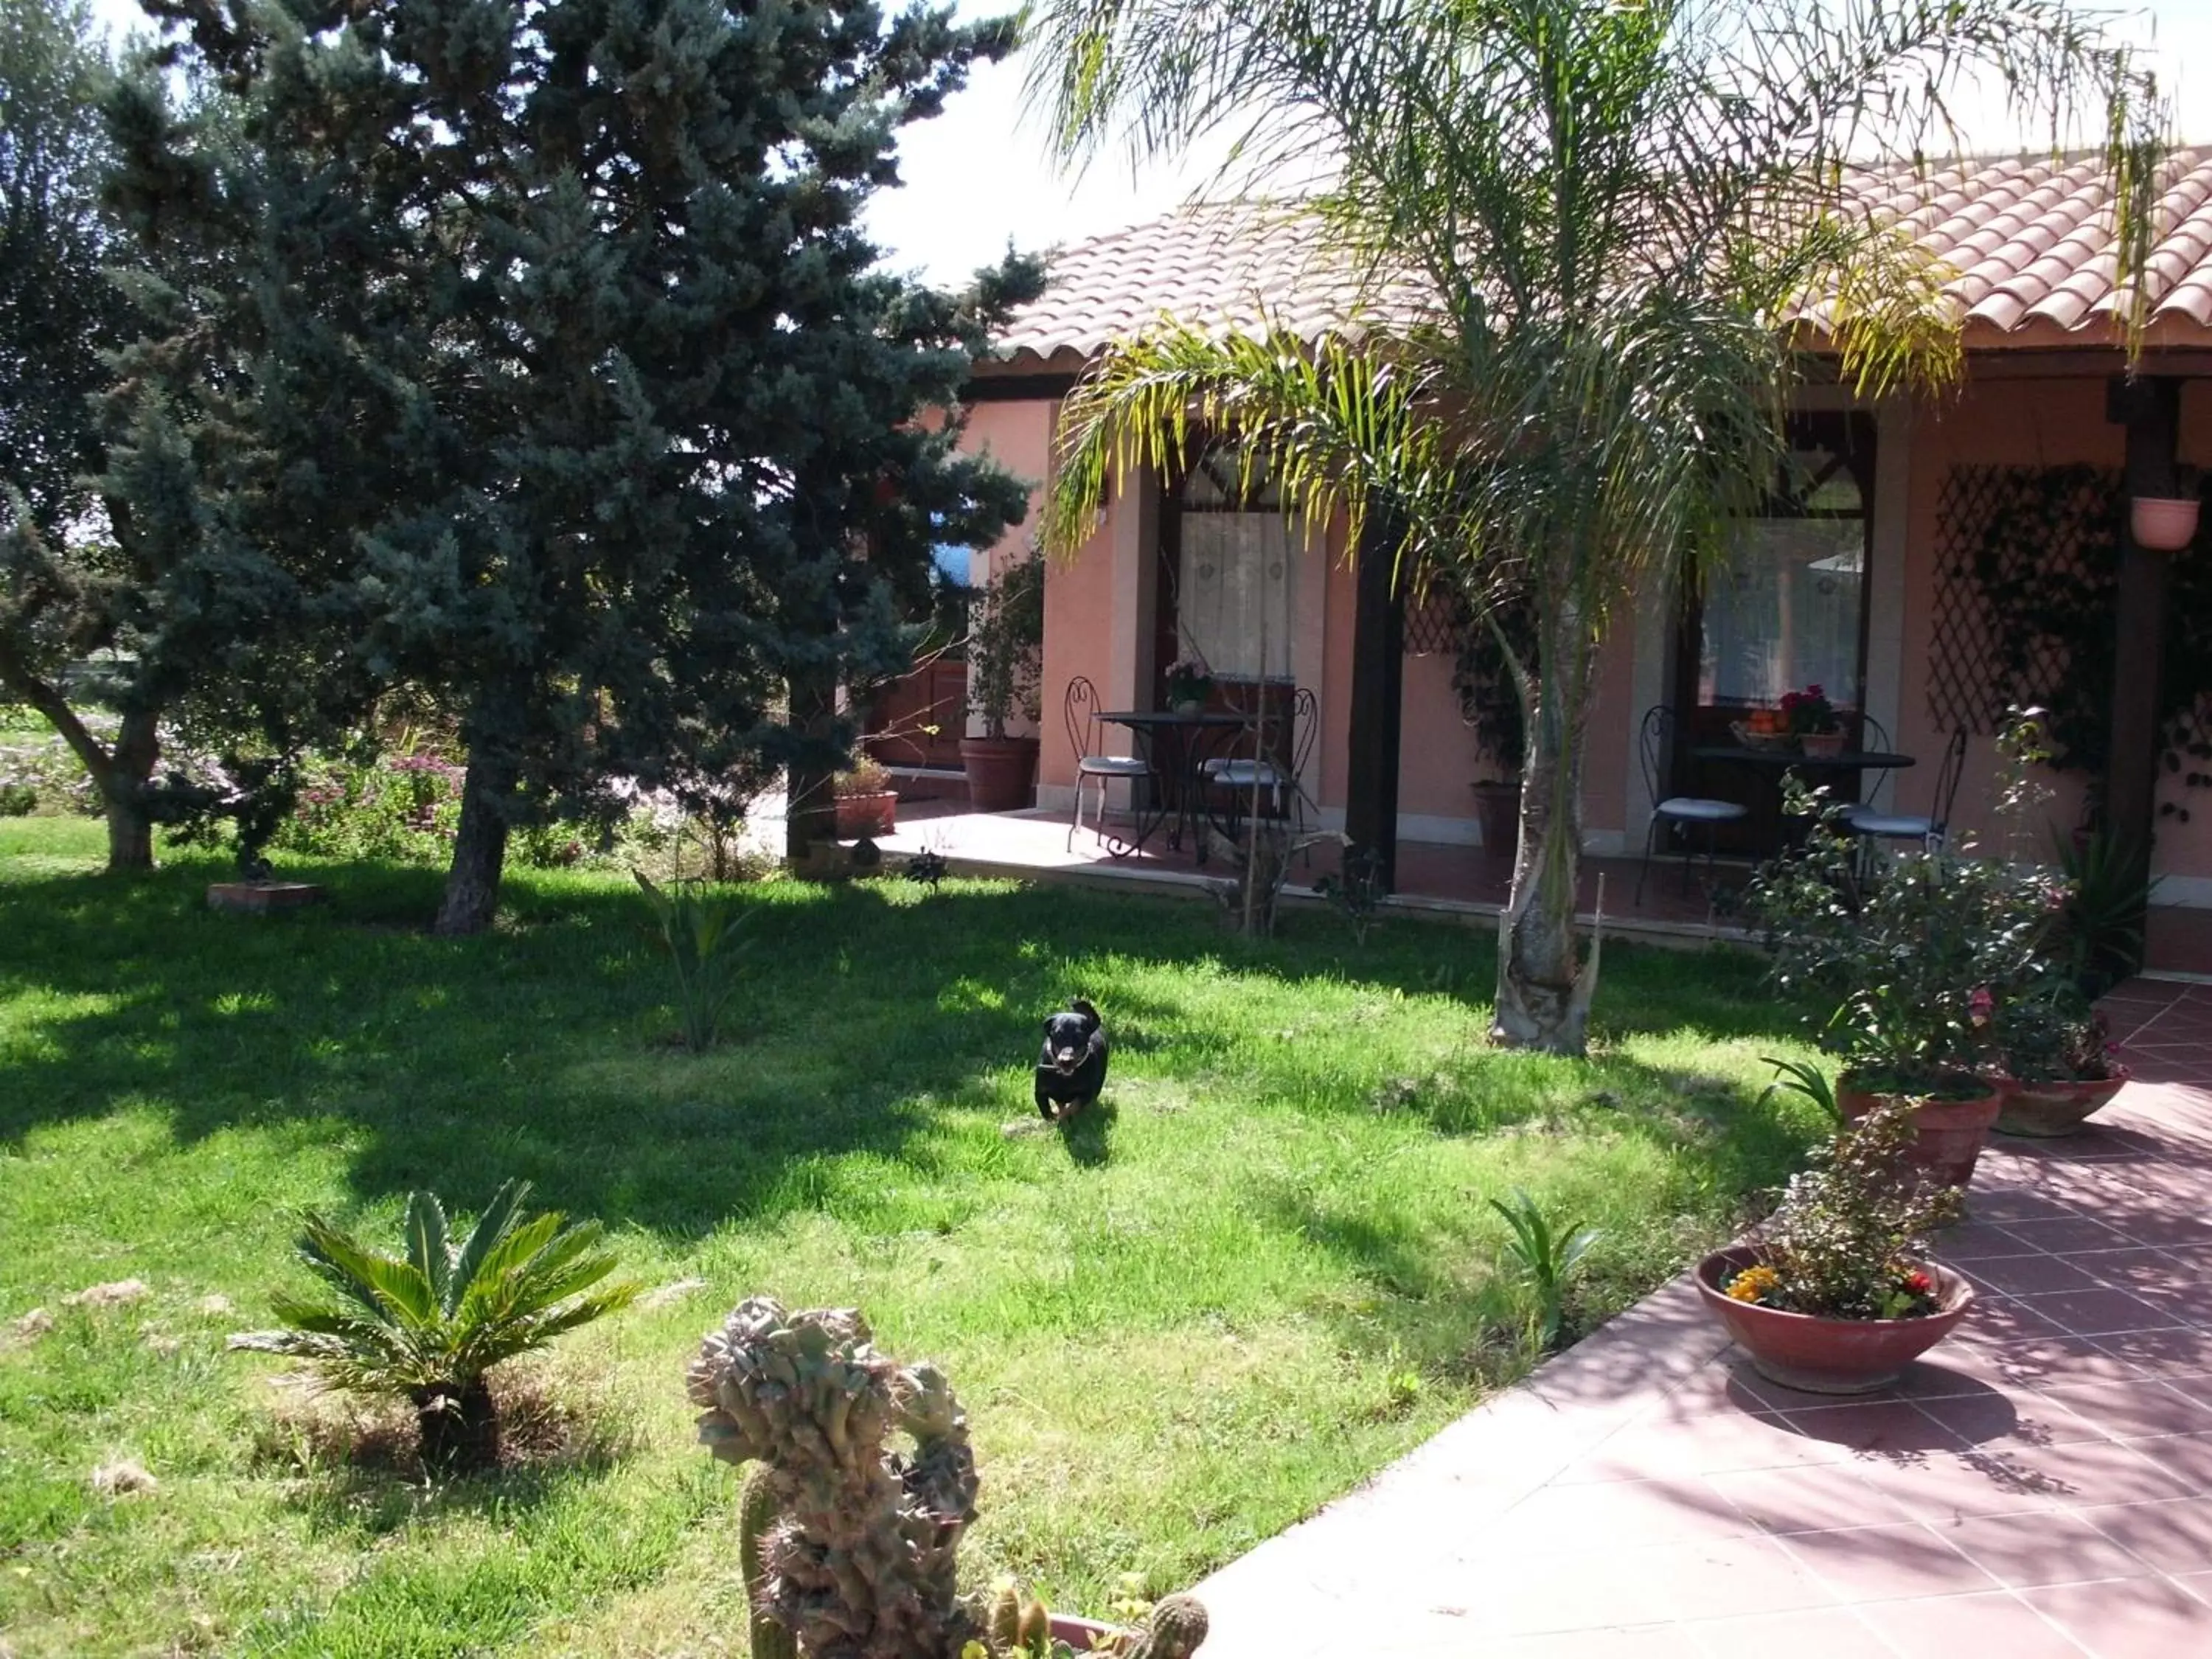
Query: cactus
x,y
757,1516
848,1542
1176,1628
1002,1618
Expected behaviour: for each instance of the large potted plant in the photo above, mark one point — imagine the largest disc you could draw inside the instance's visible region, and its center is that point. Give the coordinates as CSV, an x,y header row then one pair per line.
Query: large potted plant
x,y
1490,704
2061,1065
866,802
1913,969
1835,1292
1005,649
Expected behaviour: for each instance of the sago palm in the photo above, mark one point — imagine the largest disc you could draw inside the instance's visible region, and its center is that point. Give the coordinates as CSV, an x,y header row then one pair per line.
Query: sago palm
x,y
430,1324
1600,237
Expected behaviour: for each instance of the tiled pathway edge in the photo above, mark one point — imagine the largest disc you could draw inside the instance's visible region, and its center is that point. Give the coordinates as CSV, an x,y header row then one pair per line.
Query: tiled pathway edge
x,y
2041,1485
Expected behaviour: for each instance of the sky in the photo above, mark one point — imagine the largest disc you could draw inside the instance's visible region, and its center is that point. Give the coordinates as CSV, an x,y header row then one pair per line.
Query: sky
x,y
977,177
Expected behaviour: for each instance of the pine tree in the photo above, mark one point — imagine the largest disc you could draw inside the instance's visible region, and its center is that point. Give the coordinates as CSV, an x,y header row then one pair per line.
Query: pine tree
x,y
60,572
120,587
567,341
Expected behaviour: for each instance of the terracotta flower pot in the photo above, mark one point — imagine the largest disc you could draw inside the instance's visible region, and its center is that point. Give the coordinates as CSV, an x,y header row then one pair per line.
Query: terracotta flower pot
x,y
2042,1110
1497,817
1082,1634
2162,524
1948,1134
866,815
1001,773
1827,1356
1820,746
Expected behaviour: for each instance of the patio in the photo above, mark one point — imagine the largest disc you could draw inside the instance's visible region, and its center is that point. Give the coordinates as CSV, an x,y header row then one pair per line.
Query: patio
x,y
2042,1487
1433,878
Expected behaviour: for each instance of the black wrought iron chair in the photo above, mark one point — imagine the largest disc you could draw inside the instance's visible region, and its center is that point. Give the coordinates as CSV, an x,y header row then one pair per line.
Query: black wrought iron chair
x,y
1671,813
1242,775
1932,829
1078,707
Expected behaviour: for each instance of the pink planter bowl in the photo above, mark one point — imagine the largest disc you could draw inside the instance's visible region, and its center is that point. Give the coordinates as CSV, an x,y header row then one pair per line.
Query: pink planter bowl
x,y
2045,1110
1827,1356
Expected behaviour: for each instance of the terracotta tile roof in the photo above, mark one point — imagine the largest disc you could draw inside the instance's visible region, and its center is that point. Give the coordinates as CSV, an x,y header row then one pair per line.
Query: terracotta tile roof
x,y
2028,241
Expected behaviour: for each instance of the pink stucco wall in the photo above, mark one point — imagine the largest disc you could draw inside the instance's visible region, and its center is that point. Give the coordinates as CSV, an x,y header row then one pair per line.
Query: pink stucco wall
x,y
2053,422
2031,421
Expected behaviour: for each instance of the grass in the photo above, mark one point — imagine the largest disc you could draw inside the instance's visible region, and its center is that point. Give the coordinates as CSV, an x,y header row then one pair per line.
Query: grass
x,y
1264,1269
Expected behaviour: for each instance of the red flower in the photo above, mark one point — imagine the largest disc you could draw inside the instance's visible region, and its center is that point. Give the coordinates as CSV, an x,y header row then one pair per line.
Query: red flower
x,y
1980,1006
1919,1283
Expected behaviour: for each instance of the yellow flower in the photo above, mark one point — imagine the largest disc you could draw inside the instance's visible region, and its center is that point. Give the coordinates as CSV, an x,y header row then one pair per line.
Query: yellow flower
x,y
1754,1284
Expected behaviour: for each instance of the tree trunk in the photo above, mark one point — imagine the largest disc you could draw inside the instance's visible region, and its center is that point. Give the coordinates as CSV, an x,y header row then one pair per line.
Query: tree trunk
x,y
479,851
1544,982
122,793
810,803
458,1426
120,775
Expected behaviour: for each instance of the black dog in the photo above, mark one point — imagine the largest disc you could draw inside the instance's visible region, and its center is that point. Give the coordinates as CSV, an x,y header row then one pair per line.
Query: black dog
x,y
1072,1070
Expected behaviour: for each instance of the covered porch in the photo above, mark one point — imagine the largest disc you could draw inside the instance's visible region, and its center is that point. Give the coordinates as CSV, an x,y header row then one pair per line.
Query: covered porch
x,y
1435,881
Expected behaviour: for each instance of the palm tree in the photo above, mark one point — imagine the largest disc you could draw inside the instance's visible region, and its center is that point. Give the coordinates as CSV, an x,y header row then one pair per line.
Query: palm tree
x,y
431,1324
1628,224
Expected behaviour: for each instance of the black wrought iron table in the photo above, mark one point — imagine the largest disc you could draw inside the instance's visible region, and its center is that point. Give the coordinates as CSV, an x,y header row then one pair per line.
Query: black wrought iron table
x,y
1775,764
1176,747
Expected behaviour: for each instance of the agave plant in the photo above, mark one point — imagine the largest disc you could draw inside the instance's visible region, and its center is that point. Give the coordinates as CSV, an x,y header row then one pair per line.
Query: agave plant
x,y
430,1324
1546,1255
701,937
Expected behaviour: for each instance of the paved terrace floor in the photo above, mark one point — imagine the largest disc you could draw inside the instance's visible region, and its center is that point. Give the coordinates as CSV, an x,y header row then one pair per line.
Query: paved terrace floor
x,y
2041,1485
1461,881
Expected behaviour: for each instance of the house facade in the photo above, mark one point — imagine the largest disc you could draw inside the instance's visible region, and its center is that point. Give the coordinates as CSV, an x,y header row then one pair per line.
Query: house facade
x,y
1928,563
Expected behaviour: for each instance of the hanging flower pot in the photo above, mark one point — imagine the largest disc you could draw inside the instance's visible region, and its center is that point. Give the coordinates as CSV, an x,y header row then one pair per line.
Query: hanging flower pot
x,y
2163,524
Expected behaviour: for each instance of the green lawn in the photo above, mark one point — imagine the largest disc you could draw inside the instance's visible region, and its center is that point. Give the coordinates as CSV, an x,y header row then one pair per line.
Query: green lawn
x,y
1263,1272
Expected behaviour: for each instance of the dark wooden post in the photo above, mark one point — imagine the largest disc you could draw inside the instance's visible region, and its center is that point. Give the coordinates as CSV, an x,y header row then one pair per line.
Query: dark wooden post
x,y
2149,406
1378,677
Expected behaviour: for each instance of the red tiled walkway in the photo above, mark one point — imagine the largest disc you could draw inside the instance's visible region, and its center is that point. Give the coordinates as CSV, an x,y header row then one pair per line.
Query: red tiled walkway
x,y
2041,1485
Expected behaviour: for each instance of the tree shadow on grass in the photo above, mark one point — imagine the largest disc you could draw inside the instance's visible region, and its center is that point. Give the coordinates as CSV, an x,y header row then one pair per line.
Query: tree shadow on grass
x,y
874,1020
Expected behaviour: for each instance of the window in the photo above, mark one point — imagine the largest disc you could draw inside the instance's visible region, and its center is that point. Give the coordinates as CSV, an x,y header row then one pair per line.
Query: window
x,y
1233,572
1787,609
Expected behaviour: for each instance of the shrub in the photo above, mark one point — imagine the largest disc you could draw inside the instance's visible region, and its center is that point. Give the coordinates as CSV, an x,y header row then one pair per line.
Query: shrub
x,y
429,1325
1849,1238
1915,969
401,807
40,773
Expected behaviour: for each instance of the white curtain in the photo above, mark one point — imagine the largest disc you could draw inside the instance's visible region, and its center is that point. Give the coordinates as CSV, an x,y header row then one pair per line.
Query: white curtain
x,y
1233,594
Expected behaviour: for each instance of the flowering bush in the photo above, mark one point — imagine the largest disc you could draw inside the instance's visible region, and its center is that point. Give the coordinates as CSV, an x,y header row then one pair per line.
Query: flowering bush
x,y
403,807
2058,1037
1848,1240
1808,712
1917,969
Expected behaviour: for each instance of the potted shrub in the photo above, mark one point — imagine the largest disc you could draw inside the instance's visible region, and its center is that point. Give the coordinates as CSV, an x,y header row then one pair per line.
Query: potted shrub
x,y
1005,649
1913,969
1490,703
2061,1065
866,803
1810,718
1836,1293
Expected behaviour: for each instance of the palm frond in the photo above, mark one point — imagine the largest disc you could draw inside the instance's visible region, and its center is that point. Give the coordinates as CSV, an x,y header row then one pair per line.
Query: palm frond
x,y
492,1226
427,1248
